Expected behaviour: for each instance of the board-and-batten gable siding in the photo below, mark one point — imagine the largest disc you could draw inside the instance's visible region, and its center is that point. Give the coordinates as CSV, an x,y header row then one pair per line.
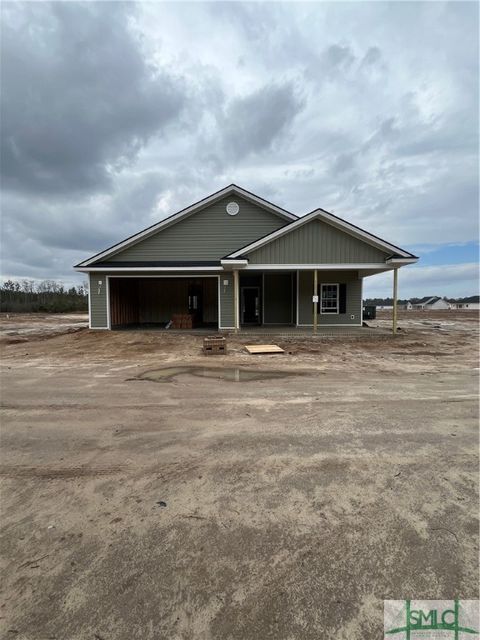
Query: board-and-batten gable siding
x,y
316,242
353,297
208,234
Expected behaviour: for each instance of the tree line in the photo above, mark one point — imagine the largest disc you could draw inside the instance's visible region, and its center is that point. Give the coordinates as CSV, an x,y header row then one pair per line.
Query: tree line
x,y
47,296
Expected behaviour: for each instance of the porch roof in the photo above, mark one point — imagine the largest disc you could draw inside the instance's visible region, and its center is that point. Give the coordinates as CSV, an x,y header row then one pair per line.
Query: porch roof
x,y
220,266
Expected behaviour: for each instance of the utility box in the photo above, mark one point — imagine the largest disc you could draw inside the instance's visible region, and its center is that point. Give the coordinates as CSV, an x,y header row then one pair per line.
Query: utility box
x,y
215,346
369,312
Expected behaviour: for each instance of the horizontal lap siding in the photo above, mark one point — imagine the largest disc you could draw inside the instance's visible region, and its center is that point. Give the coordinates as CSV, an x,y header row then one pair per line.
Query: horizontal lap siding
x,y
316,242
226,301
98,300
209,234
353,301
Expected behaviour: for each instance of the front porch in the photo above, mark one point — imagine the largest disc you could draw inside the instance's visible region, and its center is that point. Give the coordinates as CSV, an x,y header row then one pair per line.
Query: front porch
x,y
300,298
270,301
274,332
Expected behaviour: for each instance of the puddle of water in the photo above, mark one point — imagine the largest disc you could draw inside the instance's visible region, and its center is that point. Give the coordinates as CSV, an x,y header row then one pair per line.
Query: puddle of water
x,y
230,374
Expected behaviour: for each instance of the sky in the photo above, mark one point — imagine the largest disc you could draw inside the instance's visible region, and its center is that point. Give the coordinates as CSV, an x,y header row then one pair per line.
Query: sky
x,y
115,115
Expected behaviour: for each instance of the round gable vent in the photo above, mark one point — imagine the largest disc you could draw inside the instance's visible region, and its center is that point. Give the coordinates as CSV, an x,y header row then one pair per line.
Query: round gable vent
x,y
232,208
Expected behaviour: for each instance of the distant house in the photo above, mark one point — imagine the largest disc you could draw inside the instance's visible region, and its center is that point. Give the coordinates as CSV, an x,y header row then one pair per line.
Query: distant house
x,y
430,303
471,303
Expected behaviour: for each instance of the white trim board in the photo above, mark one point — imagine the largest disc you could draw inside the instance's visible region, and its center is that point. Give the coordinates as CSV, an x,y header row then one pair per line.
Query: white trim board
x,y
324,216
361,301
114,275
380,266
184,213
107,293
319,267
120,270
89,303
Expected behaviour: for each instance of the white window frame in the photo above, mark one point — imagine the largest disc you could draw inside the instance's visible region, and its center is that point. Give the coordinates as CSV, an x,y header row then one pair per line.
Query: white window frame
x,y
330,284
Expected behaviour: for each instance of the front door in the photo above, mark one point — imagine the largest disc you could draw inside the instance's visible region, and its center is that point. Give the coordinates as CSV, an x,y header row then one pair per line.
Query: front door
x,y
250,299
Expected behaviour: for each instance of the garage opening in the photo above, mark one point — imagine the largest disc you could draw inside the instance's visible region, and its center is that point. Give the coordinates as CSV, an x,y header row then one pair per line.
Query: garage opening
x,y
155,302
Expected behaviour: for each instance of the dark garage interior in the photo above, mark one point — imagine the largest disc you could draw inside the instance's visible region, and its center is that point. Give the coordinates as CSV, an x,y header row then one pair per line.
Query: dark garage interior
x,y
154,301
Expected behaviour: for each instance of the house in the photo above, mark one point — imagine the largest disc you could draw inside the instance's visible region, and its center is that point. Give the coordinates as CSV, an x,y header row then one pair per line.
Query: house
x,y
472,303
234,259
429,303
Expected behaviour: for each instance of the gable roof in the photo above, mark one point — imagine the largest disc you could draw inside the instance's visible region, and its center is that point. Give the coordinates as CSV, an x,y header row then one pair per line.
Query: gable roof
x,y
466,300
232,189
427,300
339,223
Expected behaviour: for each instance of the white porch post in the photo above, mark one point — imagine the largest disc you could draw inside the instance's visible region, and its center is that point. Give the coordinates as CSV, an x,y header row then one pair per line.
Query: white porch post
x,y
395,293
236,318
315,304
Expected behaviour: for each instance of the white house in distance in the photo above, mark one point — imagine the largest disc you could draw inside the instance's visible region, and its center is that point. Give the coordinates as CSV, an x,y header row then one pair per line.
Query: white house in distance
x,y
471,303
436,303
430,303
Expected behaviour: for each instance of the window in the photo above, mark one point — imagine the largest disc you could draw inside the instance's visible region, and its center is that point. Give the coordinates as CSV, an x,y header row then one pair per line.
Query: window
x,y
329,298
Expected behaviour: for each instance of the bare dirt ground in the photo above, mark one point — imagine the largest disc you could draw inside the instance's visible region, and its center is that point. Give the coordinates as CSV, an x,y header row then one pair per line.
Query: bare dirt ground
x,y
18,327
284,508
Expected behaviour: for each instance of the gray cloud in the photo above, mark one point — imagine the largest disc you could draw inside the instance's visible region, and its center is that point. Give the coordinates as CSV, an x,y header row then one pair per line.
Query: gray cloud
x,y
337,59
79,99
115,115
254,122
372,57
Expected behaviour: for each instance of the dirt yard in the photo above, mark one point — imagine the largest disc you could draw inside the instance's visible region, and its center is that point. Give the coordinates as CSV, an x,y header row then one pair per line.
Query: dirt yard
x,y
283,508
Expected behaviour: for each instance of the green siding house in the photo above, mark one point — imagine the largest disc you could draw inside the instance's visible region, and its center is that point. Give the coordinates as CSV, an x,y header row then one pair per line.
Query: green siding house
x,y
233,260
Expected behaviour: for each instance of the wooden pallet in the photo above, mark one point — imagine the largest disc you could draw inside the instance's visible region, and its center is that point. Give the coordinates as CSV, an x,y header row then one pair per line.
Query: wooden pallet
x,y
264,348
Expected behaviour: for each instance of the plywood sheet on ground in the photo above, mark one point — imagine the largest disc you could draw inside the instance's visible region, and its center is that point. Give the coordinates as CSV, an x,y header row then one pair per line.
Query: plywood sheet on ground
x,y
263,348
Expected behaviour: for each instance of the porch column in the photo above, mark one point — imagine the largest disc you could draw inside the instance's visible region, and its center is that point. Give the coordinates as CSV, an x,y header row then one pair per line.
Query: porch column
x,y
395,293
315,300
236,319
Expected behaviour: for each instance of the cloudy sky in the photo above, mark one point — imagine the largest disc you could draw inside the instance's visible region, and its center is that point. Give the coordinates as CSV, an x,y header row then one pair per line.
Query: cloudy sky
x,y
116,115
